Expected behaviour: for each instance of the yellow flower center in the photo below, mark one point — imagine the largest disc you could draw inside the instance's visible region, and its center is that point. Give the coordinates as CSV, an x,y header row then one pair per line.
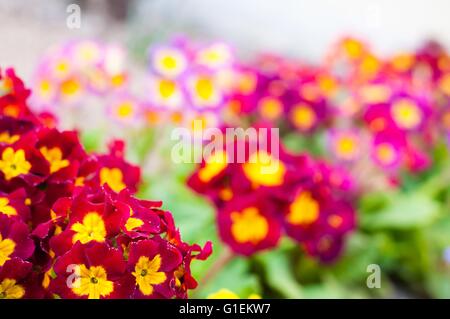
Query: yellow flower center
x,y
54,157
6,249
271,108
113,177
303,116
353,48
147,274
327,84
369,65
335,221
45,88
304,210
13,163
385,153
204,88
226,194
133,223
249,226
117,80
10,290
88,52
92,229
5,208
263,169
406,113
62,68
79,181
402,62
125,109
444,84
346,147
5,137
375,93
11,110
214,164
169,62
70,87
247,83
167,88
93,282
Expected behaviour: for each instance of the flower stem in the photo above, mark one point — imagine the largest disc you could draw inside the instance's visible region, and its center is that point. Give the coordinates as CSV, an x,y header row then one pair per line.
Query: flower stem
x,y
224,258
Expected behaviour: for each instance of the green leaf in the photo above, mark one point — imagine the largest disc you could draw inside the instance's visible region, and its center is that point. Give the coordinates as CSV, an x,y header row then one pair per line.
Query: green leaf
x,y
92,139
360,251
405,211
279,273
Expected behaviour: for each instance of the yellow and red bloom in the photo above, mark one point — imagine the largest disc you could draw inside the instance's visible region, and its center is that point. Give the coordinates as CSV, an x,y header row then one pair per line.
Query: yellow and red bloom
x,y
88,221
14,205
114,171
13,96
14,240
152,264
249,224
13,277
96,270
78,207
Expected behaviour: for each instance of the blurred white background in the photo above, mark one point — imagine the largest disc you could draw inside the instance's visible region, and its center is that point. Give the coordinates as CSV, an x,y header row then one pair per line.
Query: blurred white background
x,y
299,28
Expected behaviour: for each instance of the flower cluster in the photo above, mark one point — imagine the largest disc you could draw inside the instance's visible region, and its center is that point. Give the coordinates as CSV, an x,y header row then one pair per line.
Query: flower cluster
x,y
279,92
67,72
383,112
70,226
189,82
268,193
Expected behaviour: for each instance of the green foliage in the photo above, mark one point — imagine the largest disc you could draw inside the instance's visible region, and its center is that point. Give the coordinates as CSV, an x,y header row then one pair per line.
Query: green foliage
x,y
403,211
